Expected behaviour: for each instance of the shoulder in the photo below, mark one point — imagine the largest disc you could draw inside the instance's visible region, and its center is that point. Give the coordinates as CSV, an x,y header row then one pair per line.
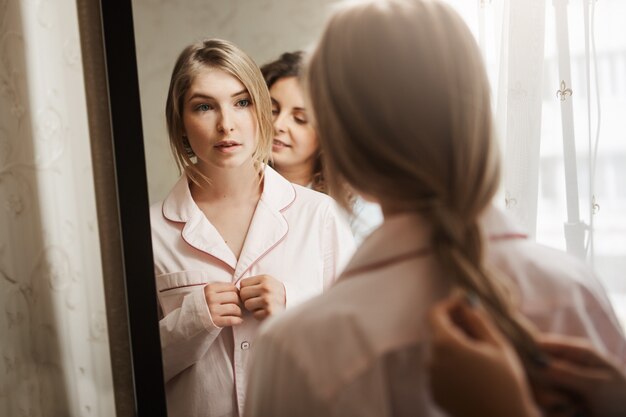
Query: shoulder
x,y
528,262
313,204
534,262
306,196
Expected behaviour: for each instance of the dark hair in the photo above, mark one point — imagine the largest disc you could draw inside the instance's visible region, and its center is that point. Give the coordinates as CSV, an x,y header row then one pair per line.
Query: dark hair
x,y
288,65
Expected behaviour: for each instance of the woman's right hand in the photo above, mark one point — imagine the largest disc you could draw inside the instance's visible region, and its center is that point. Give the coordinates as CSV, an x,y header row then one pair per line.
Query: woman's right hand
x,y
224,304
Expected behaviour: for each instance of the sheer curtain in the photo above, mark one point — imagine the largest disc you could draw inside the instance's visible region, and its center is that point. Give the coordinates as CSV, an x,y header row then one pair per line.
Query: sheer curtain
x,y
558,76
54,352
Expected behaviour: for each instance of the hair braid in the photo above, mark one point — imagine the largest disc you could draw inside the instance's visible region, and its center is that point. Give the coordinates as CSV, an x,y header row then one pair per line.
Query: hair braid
x,y
458,244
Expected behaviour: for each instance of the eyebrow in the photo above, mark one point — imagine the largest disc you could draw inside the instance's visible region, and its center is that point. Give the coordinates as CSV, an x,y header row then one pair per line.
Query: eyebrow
x,y
274,101
207,97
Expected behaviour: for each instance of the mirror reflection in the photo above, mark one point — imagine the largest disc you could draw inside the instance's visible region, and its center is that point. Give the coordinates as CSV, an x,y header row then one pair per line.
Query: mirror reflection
x,y
237,238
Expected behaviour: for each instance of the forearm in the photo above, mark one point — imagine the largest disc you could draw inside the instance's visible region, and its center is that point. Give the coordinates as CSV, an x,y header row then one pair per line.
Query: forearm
x,y
186,334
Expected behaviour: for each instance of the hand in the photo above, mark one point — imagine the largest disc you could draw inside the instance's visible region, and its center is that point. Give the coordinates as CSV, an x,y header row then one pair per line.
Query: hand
x,y
262,295
224,304
576,368
474,370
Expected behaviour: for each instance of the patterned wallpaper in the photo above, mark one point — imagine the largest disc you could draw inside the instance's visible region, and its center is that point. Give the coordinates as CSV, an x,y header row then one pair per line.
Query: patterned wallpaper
x,y
262,28
54,354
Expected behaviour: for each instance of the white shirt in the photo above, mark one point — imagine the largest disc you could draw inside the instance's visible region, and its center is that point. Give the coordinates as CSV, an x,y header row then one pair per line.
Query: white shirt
x,y
360,348
365,218
296,235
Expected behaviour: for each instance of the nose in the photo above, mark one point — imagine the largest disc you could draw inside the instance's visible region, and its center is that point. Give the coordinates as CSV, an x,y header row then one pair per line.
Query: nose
x,y
279,123
225,123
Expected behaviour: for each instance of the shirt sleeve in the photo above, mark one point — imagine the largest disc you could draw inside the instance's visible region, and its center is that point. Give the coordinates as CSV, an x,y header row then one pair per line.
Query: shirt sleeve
x,y
187,332
338,245
365,217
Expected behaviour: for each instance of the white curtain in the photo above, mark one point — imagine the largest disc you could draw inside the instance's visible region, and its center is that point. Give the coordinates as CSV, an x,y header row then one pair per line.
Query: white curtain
x,y
54,355
558,74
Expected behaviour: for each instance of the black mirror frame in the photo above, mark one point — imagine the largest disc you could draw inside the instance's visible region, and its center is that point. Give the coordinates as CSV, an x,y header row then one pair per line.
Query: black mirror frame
x,y
113,104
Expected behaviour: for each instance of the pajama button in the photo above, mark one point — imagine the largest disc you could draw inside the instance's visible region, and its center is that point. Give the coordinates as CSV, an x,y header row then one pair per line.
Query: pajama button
x,y
245,345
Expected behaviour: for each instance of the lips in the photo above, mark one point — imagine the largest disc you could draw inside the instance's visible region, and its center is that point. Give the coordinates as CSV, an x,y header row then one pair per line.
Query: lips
x,y
280,144
224,144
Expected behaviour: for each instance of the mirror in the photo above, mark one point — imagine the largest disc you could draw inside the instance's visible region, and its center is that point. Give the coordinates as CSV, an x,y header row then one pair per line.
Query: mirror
x,y
107,38
264,30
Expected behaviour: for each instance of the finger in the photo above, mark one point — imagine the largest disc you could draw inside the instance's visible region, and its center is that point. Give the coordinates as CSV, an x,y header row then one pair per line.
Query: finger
x,y
254,304
257,279
226,321
261,314
223,310
574,350
223,298
568,376
252,292
444,330
455,319
218,287
477,324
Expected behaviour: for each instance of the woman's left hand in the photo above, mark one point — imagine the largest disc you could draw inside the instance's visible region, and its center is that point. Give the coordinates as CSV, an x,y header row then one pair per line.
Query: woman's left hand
x,y
262,295
576,367
474,370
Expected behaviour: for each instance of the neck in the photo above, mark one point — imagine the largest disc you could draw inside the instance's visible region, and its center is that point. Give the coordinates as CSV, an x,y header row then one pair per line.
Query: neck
x,y
391,209
301,174
237,184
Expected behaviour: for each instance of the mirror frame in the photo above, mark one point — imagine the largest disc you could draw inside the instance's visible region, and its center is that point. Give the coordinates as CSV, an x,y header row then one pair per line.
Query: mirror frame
x,y
115,129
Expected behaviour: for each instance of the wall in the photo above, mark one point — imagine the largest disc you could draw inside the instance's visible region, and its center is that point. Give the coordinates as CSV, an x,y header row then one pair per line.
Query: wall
x,y
54,348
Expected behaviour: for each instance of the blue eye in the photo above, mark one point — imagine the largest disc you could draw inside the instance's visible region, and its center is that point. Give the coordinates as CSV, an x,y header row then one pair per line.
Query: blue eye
x,y
243,102
203,107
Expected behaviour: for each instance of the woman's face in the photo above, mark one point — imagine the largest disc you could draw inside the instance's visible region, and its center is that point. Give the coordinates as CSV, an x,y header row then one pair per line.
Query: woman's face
x,y
219,120
295,142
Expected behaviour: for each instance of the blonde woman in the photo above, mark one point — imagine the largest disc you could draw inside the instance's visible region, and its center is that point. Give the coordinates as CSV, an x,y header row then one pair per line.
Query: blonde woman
x,y
401,103
296,152
234,242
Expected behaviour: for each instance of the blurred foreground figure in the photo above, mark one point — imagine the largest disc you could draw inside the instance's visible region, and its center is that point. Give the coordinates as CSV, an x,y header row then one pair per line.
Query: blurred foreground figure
x,y
401,102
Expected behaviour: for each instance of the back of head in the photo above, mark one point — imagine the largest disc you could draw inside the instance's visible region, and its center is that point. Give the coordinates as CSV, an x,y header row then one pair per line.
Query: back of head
x,y
401,102
225,56
407,102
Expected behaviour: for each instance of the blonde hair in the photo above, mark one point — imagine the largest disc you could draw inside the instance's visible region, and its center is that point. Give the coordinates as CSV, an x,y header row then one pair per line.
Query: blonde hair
x,y
225,56
404,114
